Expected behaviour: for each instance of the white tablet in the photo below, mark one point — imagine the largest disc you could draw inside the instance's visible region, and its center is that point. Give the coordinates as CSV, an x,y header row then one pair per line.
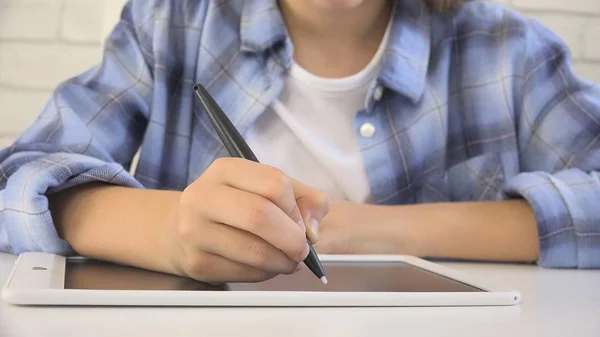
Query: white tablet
x,y
354,280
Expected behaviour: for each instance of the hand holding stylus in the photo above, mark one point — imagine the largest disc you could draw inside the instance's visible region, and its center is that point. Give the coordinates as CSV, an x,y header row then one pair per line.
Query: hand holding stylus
x,y
237,147
242,221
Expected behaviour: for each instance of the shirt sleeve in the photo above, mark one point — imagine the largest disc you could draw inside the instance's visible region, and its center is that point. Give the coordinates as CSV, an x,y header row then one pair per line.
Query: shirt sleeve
x,y
89,131
559,142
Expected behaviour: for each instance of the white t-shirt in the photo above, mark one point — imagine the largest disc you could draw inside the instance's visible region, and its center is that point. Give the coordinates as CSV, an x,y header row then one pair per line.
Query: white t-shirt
x,y
309,131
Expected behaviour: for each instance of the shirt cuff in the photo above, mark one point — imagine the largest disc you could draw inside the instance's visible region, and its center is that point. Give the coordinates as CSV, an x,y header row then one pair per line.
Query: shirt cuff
x,y
24,206
566,207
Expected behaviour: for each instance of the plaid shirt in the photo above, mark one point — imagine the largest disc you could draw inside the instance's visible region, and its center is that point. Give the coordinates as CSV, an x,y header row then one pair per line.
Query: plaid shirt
x,y
478,105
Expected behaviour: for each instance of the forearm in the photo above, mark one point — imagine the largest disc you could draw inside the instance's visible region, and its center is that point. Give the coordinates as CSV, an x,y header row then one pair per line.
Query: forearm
x,y
117,224
497,231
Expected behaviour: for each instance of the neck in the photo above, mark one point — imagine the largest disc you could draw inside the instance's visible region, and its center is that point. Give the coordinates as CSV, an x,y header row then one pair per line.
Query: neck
x,y
333,41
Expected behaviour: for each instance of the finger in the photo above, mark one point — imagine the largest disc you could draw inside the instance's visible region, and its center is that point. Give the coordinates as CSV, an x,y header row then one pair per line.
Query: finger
x,y
260,179
243,247
216,269
313,205
259,216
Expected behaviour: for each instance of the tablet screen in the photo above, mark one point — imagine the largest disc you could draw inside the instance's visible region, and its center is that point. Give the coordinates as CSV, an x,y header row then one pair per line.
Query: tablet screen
x,y
343,277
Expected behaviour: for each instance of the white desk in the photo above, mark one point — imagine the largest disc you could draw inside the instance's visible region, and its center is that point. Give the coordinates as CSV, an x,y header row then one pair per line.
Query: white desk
x,y
555,303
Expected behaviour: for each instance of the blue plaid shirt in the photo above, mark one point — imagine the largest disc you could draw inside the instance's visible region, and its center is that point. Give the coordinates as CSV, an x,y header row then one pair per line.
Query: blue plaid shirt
x,y
481,104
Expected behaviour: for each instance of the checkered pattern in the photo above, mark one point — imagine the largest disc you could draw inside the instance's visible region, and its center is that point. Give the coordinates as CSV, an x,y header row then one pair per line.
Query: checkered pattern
x,y
478,105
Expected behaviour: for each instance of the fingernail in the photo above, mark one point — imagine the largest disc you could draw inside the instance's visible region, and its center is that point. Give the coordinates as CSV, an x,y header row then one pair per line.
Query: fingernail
x,y
298,268
313,226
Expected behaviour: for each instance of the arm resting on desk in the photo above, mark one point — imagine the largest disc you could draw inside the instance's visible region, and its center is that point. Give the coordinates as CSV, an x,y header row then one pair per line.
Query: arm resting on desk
x,y
118,224
497,231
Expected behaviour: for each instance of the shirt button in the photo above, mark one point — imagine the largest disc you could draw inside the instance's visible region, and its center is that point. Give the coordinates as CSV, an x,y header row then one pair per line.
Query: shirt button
x,y
367,130
378,93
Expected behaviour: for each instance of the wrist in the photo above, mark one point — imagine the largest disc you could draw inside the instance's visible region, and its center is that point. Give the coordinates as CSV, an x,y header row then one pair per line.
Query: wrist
x,y
172,252
372,229
157,247
432,228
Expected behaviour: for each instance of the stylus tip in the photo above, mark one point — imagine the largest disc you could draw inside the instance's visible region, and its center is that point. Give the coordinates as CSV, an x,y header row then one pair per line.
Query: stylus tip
x,y
324,280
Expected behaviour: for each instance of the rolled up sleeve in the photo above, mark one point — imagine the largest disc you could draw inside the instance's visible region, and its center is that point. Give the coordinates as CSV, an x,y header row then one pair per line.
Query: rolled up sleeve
x,y
25,215
559,142
567,209
89,131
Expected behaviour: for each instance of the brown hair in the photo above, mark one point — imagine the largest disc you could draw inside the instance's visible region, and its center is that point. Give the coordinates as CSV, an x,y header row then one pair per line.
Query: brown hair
x,y
443,5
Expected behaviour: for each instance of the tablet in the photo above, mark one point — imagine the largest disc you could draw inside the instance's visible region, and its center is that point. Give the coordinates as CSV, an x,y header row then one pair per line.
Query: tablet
x,y
354,280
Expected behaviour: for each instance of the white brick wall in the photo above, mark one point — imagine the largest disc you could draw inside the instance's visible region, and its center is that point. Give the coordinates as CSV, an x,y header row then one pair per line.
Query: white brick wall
x,y
43,42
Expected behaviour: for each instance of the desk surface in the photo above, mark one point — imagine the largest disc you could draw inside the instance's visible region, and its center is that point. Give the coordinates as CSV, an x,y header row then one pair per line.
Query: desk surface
x,y
555,303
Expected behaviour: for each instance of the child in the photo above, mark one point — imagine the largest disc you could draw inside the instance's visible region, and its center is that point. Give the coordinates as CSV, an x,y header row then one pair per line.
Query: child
x,y
430,128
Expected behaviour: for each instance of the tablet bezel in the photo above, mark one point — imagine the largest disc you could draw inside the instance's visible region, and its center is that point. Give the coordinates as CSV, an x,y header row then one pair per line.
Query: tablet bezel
x,y
26,286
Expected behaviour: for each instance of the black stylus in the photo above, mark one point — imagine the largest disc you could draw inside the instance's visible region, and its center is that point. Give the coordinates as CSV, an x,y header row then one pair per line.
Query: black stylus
x,y
237,147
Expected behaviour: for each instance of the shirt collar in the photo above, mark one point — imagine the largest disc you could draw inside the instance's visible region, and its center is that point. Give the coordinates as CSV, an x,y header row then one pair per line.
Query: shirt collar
x,y
262,25
405,59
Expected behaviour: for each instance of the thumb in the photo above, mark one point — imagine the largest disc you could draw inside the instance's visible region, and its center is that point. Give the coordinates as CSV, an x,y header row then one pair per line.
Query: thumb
x,y
313,205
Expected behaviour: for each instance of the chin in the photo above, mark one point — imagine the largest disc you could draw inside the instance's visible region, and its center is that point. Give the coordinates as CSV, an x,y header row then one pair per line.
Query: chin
x,y
338,3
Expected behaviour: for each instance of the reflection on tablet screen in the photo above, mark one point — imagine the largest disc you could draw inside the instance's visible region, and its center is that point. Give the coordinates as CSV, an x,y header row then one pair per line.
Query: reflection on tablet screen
x,y
343,277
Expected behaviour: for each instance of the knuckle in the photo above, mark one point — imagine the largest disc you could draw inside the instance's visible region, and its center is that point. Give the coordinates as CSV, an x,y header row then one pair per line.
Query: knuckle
x,y
277,183
323,200
188,196
217,167
194,195
257,253
220,163
295,212
257,214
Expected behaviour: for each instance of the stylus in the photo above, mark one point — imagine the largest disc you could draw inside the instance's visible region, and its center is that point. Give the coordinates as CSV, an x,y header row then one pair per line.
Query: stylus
x,y
237,147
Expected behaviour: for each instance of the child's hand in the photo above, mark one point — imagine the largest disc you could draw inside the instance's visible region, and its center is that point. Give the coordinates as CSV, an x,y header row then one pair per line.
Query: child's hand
x,y
244,222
